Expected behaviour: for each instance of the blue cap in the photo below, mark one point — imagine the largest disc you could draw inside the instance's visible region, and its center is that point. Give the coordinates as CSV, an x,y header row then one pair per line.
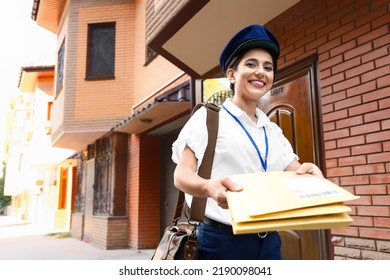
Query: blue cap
x,y
252,36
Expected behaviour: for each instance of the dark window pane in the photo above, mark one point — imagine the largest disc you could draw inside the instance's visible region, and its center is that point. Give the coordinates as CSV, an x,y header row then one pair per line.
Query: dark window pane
x,y
60,67
101,50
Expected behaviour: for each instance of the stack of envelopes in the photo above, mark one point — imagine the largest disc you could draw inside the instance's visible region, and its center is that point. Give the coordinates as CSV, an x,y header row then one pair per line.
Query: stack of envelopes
x,y
273,201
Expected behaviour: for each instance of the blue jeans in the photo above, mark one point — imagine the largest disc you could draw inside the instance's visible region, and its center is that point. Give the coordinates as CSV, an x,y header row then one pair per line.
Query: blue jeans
x,y
218,244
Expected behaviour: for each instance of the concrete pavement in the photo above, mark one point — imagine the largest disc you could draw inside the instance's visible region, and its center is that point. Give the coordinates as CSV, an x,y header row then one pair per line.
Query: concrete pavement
x,y
20,240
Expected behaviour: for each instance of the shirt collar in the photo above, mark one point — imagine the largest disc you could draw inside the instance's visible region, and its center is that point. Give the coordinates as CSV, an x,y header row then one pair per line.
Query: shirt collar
x,y
262,119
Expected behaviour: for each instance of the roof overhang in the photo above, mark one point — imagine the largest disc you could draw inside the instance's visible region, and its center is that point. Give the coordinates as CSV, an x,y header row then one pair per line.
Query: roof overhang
x,y
47,13
163,110
155,115
194,37
29,75
76,140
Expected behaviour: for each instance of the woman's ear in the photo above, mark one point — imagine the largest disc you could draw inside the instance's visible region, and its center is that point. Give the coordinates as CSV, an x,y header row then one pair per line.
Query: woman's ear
x,y
230,75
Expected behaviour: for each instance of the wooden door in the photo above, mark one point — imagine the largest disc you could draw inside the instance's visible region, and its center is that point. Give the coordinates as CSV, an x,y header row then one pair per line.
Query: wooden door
x,y
293,104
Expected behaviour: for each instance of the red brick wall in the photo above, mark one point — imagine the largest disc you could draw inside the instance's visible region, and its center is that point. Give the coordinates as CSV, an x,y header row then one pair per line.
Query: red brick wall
x,y
110,232
144,191
352,41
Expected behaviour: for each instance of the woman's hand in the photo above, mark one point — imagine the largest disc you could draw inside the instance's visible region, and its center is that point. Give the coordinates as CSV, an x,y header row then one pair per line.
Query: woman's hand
x,y
187,180
217,190
305,168
309,168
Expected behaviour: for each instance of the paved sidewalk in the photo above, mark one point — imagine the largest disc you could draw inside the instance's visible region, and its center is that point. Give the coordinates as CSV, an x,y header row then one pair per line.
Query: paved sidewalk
x,y
20,240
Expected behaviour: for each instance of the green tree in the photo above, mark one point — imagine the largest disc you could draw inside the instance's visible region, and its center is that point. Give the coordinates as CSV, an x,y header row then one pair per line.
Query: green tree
x,y
4,200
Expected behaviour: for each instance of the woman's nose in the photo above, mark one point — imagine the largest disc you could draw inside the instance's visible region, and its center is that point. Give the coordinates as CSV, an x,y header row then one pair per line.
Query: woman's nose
x,y
259,71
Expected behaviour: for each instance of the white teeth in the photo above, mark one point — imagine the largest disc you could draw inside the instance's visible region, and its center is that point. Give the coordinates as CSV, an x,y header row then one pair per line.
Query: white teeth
x,y
258,83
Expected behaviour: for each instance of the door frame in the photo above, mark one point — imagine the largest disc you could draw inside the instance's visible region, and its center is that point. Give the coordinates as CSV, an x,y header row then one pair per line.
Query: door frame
x,y
309,66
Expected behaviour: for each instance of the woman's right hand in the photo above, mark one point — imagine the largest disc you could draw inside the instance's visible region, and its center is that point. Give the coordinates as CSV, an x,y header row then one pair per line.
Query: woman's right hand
x,y
186,179
217,190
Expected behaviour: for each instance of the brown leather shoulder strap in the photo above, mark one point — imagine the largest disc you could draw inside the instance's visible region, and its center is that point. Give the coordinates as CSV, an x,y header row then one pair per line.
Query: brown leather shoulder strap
x,y
198,204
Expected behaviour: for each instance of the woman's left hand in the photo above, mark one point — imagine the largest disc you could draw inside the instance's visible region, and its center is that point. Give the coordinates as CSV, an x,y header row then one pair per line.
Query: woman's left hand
x,y
309,168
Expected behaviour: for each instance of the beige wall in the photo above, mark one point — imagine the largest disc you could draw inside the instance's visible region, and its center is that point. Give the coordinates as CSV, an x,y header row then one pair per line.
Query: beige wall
x,y
149,79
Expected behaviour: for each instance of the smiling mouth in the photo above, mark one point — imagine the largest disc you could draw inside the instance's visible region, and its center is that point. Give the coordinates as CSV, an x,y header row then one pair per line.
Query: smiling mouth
x,y
258,83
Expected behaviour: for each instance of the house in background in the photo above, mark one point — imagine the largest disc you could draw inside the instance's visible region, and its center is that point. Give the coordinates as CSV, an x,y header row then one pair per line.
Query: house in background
x,y
39,176
106,75
129,72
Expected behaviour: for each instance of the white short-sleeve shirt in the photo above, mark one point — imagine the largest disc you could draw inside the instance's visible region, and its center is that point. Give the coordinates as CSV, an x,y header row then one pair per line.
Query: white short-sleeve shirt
x,y
234,152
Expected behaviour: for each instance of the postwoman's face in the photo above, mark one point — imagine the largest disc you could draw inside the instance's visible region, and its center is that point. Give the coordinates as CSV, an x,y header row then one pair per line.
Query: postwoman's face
x,y
254,75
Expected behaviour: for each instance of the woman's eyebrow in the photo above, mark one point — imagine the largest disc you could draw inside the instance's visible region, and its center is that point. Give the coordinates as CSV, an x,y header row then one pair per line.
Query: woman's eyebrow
x,y
256,60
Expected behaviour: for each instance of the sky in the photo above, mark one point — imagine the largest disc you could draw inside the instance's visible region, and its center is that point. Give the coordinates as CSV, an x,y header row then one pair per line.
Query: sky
x,y
23,43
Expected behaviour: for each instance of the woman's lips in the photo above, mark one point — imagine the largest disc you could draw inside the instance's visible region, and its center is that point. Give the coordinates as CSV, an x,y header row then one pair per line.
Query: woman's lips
x,y
257,83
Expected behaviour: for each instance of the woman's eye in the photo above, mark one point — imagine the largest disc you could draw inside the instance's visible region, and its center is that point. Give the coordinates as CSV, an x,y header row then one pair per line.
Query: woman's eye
x,y
250,64
268,68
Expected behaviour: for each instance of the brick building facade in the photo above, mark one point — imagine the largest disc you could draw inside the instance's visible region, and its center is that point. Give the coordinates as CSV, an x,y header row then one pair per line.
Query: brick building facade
x,y
150,99
351,39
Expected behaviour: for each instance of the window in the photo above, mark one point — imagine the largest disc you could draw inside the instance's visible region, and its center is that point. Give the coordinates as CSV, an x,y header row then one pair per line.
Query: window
x,y
60,68
101,51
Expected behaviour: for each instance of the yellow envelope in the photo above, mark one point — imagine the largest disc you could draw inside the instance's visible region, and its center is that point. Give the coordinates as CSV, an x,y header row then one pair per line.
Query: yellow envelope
x,y
239,214
271,192
302,223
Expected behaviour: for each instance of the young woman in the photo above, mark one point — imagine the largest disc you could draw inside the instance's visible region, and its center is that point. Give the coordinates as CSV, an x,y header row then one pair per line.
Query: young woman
x,y
247,142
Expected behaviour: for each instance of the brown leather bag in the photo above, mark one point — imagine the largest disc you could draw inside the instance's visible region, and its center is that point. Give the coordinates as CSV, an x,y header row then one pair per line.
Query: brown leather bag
x,y
179,241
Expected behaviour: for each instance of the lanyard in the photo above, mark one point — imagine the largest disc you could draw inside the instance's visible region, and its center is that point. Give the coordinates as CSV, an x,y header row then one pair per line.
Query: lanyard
x,y
263,161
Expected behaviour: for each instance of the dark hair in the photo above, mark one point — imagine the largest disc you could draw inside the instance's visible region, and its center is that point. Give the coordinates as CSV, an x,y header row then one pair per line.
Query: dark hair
x,y
234,65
